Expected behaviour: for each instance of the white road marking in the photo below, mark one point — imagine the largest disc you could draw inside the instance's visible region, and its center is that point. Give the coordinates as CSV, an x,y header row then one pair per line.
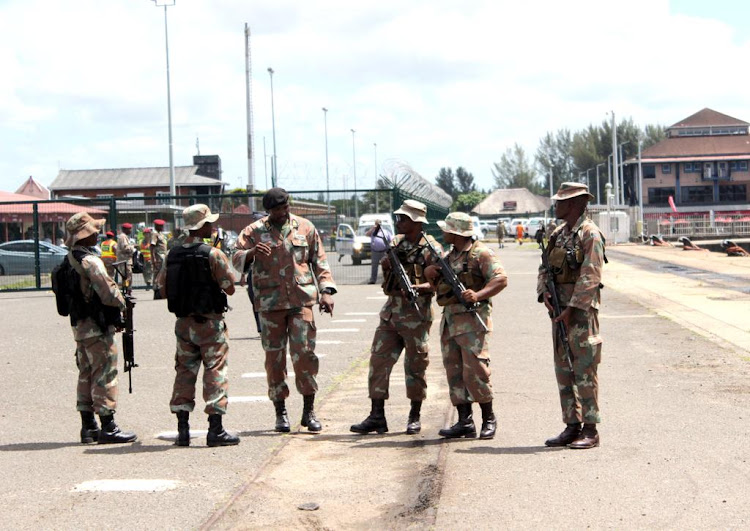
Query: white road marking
x,y
324,342
378,298
126,485
289,374
362,313
172,435
639,316
349,320
338,330
237,399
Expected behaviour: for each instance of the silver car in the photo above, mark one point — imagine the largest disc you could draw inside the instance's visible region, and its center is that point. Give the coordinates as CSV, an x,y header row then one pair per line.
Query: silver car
x,y
17,257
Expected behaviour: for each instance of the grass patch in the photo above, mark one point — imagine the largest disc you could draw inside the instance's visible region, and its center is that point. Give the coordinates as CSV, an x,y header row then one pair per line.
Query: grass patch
x,y
21,284
745,358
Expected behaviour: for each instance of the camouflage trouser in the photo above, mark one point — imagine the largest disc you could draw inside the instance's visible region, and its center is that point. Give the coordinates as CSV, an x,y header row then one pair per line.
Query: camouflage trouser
x,y
147,272
389,340
96,359
297,326
579,393
206,342
158,261
110,268
466,359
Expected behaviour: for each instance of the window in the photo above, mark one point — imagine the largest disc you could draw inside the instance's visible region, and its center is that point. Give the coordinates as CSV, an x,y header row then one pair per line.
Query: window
x,y
665,169
739,165
697,194
104,196
649,171
161,198
692,167
659,196
733,193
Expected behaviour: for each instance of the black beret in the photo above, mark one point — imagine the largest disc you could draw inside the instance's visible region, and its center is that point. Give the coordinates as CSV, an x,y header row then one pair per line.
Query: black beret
x,y
275,197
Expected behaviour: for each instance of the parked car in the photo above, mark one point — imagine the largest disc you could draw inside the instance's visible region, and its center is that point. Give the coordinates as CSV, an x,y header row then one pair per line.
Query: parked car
x,y
514,223
488,226
17,257
352,243
534,225
478,234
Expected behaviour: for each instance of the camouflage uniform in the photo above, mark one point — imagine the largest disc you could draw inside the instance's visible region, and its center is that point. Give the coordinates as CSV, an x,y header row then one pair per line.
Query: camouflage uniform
x,y
580,289
464,342
285,291
145,249
158,250
96,350
201,339
402,329
125,251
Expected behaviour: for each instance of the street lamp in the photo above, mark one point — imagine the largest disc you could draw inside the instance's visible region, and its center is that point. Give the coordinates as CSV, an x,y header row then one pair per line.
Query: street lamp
x,y
274,176
172,188
354,174
328,187
621,199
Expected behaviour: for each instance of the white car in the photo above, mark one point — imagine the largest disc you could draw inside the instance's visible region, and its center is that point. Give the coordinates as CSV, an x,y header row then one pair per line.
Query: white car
x,y
534,225
516,222
478,234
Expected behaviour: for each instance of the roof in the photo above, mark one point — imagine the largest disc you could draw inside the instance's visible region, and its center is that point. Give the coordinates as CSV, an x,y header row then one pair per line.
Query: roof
x,y
7,206
688,148
33,189
129,178
526,202
708,117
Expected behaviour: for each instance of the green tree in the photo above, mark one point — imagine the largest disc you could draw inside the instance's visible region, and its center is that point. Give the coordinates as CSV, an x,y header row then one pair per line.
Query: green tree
x,y
653,134
515,171
447,181
464,181
465,202
553,157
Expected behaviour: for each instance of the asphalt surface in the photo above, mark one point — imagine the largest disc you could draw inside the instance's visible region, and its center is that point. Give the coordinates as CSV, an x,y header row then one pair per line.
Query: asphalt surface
x,y
674,394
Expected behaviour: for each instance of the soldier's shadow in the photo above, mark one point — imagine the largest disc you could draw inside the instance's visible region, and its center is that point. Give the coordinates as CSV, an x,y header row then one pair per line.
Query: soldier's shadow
x,y
26,447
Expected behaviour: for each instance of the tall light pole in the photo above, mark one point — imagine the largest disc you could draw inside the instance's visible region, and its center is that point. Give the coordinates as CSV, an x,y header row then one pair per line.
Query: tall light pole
x,y
172,188
614,158
328,186
377,204
354,174
587,178
274,176
640,188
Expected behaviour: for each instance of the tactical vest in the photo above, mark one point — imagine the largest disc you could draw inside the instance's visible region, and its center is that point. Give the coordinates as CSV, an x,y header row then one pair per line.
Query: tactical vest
x,y
191,289
470,280
414,264
145,248
565,261
108,250
82,307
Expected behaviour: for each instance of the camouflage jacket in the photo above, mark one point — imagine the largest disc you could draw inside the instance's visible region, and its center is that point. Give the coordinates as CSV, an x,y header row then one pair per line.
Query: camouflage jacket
x,y
221,271
397,306
481,262
159,242
95,279
580,286
125,249
297,267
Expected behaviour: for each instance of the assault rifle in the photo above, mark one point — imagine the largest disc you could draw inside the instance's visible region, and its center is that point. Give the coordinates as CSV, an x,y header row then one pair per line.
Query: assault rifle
x,y
397,268
549,283
457,287
128,349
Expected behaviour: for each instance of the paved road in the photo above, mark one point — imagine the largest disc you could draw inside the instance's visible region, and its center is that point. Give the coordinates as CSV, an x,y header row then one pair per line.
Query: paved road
x,y
675,400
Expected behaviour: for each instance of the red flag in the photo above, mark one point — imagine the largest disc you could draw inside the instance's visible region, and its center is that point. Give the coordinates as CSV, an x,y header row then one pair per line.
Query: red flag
x,y
671,203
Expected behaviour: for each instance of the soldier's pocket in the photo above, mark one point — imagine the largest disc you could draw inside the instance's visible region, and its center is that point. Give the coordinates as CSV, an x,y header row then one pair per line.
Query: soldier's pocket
x,y
301,251
266,286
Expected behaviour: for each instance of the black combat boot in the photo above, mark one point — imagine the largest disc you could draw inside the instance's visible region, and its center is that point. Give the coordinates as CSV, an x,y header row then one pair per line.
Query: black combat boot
x,y
282,418
183,428
309,420
111,432
589,438
413,425
89,427
216,434
375,421
489,423
464,427
569,434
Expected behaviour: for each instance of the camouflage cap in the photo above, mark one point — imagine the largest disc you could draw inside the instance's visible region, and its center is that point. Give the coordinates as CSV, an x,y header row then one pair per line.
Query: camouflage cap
x,y
415,210
81,226
458,223
195,216
571,190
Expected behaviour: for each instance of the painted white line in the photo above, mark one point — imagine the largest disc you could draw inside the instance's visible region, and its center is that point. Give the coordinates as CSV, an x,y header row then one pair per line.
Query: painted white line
x,y
172,435
289,374
338,330
238,399
362,313
126,485
639,316
378,298
324,342
348,320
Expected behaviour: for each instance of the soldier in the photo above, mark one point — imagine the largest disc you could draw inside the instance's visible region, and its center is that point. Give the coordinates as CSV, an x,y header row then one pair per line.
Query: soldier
x,y
196,281
109,254
500,233
402,327
288,260
125,249
158,246
576,256
94,322
463,339
145,248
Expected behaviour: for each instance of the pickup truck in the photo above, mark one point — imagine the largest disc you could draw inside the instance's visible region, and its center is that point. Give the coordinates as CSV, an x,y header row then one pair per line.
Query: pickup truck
x,y
354,243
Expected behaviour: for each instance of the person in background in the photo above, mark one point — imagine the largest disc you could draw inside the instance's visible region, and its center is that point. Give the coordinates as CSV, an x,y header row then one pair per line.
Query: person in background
x,y
500,234
380,239
126,250
109,253
158,246
519,234
145,248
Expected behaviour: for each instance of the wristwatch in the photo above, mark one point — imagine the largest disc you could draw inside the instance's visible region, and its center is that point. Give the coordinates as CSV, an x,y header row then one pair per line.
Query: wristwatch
x,y
328,291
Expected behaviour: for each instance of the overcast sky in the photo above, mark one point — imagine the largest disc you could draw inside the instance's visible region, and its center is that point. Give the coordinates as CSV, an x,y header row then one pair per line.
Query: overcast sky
x,y
433,83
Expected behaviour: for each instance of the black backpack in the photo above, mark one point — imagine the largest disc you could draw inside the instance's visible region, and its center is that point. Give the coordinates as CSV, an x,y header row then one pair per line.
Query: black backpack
x,y
66,284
